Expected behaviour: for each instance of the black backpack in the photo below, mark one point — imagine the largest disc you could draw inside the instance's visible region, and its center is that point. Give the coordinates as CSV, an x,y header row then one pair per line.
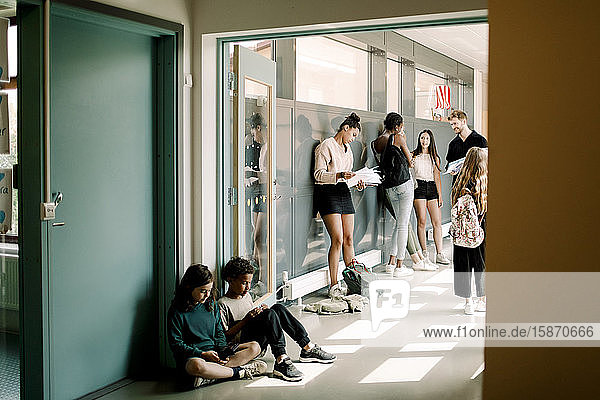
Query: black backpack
x,y
382,198
353,281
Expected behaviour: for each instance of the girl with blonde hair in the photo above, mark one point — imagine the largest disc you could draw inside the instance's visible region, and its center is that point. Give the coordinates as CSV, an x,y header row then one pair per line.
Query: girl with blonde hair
x,y
469,197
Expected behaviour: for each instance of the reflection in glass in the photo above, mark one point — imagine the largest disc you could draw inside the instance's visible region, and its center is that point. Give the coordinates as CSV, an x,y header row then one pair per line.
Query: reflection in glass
x,y
255,224
425,100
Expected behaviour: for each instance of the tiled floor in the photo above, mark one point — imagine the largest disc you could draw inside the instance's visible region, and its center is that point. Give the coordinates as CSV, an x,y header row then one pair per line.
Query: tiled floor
x,y
9,366
396,361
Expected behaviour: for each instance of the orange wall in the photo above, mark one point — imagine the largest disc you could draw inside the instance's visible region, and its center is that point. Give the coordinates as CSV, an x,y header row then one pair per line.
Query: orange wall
x,y
543,208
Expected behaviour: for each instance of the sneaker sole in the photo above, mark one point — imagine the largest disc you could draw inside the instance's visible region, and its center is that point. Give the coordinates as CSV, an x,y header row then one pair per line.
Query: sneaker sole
x,y
287,378
316,360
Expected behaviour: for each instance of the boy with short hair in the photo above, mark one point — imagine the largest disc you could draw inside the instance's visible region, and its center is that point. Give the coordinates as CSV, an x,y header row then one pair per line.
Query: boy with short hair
x,y
242,320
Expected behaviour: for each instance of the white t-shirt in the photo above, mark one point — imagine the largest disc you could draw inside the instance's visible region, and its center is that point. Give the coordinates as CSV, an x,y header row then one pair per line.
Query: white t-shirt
x,y
423,167
233,311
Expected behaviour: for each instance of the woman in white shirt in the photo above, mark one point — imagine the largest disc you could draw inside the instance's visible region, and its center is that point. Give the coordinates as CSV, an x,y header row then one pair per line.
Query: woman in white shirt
x,y
428,194
333,166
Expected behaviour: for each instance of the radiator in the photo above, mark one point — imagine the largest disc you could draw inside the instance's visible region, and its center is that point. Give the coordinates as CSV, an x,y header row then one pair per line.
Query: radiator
x,y
9,282
313,281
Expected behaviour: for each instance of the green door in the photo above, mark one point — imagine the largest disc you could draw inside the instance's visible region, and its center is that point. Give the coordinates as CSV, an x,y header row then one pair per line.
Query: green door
x,y
102,283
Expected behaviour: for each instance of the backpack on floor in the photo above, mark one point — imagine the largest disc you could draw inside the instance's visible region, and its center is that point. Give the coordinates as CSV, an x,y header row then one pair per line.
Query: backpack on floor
x,y
353,281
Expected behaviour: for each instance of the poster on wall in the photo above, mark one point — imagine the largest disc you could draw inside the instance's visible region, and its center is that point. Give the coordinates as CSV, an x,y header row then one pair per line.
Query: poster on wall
x,y
4,131
5,200
4,50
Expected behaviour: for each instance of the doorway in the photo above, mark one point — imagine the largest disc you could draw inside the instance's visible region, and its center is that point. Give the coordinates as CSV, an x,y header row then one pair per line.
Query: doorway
x,y
97,275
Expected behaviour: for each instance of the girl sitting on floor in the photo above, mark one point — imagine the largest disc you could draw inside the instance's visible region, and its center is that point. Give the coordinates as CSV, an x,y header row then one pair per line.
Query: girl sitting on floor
x,y
196,335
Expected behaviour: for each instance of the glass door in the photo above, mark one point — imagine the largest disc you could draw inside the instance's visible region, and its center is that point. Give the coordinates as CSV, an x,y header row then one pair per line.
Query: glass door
x,y
253,170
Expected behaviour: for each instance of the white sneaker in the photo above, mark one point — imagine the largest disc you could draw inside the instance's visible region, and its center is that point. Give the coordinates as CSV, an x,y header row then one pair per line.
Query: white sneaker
x,y
390,268
423,265
432,266
252,369
480,306
336,291
419,266
200,382
403,271
469,308
440,258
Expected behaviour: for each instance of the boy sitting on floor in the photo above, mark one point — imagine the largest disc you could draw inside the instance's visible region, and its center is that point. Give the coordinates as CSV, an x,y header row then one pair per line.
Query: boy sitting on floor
x,y
243,322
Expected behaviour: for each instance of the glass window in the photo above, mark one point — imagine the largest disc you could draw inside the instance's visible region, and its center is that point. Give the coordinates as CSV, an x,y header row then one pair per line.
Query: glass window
x,y
8,89
393,80
332,73
426,106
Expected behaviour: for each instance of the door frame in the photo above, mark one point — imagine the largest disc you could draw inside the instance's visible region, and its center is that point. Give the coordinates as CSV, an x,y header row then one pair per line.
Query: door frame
x,y
214,119
33,232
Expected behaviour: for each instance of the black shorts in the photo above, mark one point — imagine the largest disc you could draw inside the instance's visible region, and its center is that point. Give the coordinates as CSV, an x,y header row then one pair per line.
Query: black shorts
x,y
257,196
426,190
333,199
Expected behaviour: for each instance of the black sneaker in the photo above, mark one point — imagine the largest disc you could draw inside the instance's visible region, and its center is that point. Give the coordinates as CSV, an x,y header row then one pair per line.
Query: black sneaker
x,y
316,354
286,370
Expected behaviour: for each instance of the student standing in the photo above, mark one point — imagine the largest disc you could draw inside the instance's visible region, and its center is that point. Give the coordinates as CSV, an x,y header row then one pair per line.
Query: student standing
x,y
420,262
333,167
196,335
464,140
399,188
428,193
469,206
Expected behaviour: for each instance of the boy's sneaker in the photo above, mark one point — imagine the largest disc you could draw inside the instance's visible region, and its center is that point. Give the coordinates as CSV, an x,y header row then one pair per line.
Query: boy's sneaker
x,y
200,381
358,267
316,354
403,271
440,258
286,370
390,268
252,369
469,308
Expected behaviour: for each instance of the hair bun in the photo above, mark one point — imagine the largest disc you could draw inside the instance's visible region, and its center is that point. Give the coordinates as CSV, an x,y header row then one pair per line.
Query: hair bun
x,y
354,117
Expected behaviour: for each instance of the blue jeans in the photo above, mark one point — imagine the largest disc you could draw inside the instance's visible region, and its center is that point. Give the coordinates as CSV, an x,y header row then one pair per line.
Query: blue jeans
x,y
401,197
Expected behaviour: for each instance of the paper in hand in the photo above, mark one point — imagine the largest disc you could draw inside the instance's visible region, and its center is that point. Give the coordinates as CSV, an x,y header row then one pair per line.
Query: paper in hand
x,y
455,166
369,176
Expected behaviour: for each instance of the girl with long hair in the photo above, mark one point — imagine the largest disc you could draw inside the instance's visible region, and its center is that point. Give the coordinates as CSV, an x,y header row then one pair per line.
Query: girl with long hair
x,y
398,187
420,262
333,167
428,193
196,335
472,181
